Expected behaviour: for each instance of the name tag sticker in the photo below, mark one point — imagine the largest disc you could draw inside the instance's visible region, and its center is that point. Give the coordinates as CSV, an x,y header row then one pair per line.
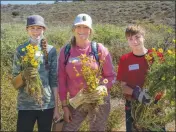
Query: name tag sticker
x,y
133,67
73,60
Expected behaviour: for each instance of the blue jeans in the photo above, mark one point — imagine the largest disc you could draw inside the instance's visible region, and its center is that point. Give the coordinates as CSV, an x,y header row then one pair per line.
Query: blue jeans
x,y
129,119
27,119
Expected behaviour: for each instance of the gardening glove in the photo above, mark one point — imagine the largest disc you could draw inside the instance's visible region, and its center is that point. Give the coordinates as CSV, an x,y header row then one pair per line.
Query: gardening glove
x,y
99,93
29,73
77,100
102,90
141,95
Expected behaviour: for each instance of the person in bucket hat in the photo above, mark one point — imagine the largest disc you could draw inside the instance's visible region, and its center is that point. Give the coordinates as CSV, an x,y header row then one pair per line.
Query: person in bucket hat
x,y
35,20
69,82
29,111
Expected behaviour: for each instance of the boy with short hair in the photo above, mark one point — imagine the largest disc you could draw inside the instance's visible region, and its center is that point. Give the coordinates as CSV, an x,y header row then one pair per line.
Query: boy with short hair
x,y
132,70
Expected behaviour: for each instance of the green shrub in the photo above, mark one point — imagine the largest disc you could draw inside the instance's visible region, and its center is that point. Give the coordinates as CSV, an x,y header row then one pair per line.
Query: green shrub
x,y
15,13
109,35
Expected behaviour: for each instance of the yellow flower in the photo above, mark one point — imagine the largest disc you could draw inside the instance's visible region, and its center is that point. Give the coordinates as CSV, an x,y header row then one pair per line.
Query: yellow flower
x,y
31,55
160,50
32,61
105,81
29,47
153,49
31,51
35,64
169,52
148,57
35,48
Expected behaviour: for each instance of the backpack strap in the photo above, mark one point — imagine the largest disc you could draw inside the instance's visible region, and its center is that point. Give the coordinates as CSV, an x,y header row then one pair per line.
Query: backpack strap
x,y
94,50
67,53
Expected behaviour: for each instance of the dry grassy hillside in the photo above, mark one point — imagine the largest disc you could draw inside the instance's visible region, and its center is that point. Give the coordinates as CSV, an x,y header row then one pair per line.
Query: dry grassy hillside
x,y
112,12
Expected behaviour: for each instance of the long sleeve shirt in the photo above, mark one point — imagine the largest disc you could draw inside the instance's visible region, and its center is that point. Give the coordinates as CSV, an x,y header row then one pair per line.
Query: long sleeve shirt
x,y
67,79
48,77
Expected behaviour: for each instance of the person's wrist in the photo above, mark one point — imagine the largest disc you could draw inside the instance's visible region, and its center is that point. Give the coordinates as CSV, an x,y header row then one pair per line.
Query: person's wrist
x,y
56,108
22,76
64,106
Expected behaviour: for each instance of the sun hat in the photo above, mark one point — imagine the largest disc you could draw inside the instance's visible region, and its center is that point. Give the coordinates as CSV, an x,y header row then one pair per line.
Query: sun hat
x,y
35,20
83,19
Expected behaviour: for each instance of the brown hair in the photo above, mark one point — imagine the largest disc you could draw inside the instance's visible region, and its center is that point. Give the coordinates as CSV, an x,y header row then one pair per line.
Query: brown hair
x,y
133,30
73,41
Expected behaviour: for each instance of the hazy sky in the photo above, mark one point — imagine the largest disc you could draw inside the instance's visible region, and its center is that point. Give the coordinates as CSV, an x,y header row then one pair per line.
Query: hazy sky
x,y
26,2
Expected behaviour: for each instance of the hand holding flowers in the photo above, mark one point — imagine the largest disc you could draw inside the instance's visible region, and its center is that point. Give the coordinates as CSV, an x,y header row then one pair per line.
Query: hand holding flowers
x,y
30,63
95,91
87,97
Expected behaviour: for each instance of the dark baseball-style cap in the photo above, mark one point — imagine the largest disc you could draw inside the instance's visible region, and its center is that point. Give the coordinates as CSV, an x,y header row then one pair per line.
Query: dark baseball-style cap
x,y
35,20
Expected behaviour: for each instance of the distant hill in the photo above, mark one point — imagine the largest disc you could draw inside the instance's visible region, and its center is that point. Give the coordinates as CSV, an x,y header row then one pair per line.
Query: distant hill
x,y
114,12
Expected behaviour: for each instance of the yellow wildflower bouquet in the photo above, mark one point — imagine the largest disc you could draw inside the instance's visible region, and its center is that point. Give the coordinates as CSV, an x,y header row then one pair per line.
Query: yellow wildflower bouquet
x,y
94,84
160,83
32,59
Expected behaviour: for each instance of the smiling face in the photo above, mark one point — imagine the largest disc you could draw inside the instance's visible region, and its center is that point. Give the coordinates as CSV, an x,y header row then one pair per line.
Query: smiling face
x,y
35,32
135,36
136,41
81,32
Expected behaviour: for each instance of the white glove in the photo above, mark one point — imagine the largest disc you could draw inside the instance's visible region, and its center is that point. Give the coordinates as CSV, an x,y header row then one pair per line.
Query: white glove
x,y
102,90
80,98
77,100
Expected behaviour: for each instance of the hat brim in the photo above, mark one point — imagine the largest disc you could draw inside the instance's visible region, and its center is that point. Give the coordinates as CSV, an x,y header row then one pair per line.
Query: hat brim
x,y
37,24
83,23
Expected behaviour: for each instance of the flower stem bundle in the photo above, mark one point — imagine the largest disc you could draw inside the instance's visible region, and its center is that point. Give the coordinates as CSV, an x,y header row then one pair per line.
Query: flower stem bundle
x,y
160,83
32,59
93,79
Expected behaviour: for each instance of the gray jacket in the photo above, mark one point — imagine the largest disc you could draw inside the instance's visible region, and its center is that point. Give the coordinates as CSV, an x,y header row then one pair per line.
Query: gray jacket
x,y
48,75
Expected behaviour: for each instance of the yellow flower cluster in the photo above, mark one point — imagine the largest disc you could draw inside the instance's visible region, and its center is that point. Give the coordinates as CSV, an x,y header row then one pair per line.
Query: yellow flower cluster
x,y
29,59
92,76
32,59
89,74
148,57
